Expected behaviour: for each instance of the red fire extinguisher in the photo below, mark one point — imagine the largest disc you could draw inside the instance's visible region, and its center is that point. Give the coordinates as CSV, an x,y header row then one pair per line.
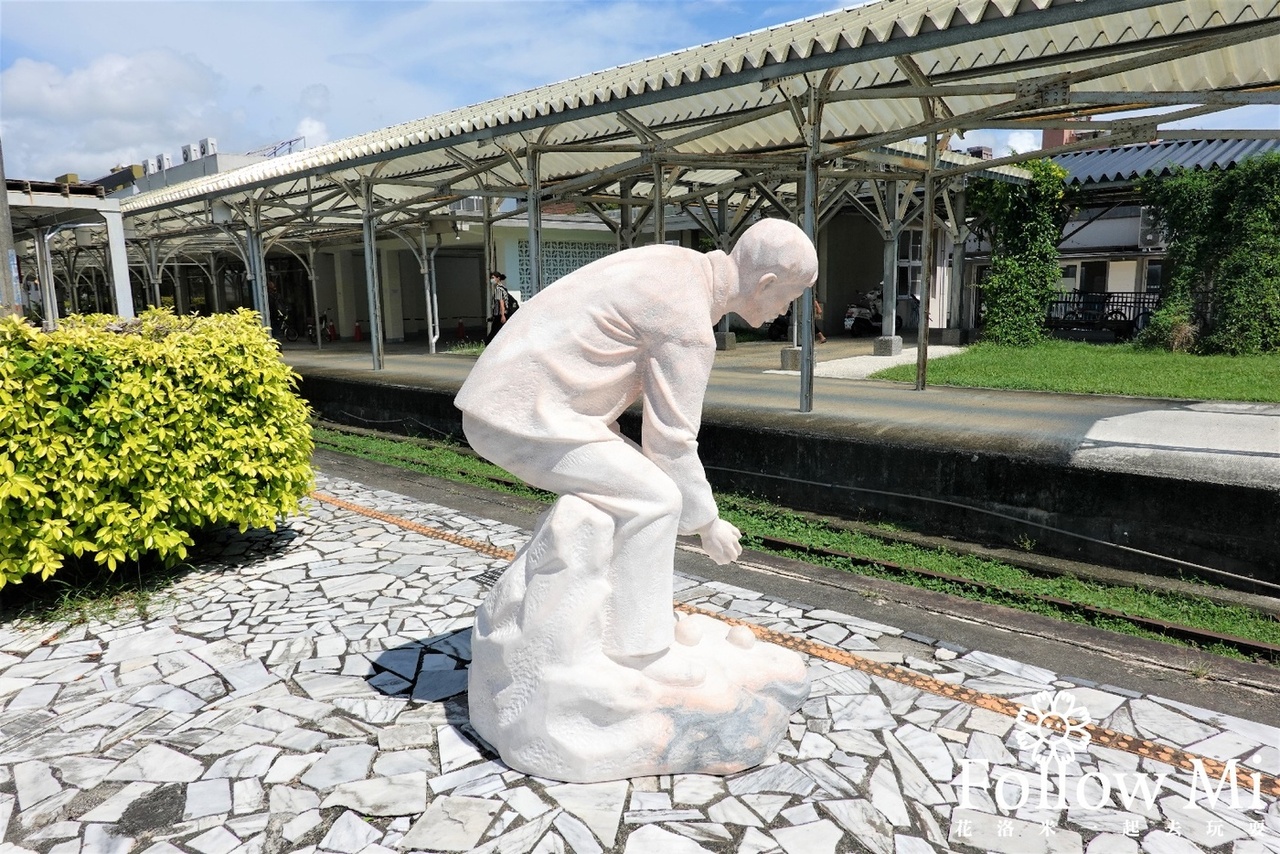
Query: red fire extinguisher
x,y
358,336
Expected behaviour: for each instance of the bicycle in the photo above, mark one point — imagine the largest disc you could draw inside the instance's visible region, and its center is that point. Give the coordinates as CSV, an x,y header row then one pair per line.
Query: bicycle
x,y
284,325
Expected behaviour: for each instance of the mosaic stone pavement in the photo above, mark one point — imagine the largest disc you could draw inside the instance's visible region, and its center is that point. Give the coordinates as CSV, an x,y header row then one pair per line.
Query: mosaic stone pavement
x,y
302,691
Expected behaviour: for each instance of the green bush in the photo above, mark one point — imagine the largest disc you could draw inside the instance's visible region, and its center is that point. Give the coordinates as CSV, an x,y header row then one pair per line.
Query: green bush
x,y
120,438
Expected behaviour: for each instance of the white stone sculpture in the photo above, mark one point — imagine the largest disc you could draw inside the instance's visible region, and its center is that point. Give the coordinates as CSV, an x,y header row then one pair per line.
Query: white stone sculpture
x,y
580,671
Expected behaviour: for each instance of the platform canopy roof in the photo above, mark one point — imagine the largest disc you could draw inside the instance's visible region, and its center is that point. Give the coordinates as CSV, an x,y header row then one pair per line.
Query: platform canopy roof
x,y
1123,165
735,118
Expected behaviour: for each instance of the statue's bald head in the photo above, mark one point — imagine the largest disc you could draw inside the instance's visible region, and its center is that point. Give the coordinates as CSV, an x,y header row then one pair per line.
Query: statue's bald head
x,y
775,262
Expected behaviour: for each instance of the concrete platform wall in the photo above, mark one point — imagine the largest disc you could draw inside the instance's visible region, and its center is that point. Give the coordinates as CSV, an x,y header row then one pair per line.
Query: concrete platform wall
x,y
986,497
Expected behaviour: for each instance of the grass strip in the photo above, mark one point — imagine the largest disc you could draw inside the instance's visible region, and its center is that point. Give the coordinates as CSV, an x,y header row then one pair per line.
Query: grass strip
x,y
757,519
83,591
1078,368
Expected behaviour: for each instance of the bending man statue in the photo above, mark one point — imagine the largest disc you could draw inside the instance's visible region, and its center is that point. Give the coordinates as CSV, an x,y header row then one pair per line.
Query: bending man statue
x,y
580,670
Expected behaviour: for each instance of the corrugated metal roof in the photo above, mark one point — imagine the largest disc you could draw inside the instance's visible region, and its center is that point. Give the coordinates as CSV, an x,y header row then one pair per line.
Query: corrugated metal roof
x,y
1129,162
858,51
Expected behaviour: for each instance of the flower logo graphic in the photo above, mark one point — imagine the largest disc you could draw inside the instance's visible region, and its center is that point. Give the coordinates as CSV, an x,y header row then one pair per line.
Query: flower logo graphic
x,y
1059,727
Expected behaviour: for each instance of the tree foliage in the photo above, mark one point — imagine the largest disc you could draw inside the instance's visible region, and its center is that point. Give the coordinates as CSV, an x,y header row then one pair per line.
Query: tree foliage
x,y
1222,228
1023,224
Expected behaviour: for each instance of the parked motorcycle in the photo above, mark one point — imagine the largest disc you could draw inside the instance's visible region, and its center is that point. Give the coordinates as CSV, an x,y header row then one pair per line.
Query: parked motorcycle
x,y
868,319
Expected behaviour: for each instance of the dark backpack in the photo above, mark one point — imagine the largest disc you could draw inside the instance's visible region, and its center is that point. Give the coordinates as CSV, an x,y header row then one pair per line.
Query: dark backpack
x,y
510,301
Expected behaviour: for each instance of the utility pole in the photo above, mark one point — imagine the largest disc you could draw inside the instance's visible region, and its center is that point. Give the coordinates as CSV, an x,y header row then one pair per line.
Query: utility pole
x,y
10,283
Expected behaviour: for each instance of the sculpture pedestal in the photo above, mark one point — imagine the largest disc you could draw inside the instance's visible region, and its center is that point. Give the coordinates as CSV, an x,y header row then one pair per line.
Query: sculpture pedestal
x,y
552,703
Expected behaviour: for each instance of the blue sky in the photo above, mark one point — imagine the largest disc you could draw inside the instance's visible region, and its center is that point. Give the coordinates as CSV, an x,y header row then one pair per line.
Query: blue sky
x,y
85,86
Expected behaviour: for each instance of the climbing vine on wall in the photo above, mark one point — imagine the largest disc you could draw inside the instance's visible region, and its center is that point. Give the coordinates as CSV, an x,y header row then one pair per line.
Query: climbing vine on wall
x,y
1222,229
1023,224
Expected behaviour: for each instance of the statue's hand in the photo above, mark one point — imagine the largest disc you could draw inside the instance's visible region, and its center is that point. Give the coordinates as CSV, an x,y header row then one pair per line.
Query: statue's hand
x,y
720,541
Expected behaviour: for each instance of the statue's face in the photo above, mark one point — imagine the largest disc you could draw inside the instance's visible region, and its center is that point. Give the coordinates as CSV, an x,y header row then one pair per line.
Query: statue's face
x,y
768,299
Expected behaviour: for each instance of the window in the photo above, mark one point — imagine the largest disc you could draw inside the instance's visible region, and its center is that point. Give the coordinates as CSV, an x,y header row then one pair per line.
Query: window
x,y
1154,277
1068,279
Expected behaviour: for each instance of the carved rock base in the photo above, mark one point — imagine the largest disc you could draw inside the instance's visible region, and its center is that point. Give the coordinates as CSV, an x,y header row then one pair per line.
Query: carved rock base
x,y
552,703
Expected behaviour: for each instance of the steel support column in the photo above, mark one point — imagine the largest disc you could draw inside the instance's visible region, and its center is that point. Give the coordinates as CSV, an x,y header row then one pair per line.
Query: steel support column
x,y
429,284
889,343
216,294
534,208
154,272
930,260
10,282
659,208
960,297
626,224
257,269
48,293
372,285
722,239
315,297
810,221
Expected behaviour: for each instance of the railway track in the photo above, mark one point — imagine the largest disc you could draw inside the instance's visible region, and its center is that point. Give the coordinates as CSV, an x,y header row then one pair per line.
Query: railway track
x,y
959,585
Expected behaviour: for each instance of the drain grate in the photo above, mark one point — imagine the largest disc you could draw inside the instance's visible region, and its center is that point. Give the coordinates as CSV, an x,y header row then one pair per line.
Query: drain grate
x,y
490,577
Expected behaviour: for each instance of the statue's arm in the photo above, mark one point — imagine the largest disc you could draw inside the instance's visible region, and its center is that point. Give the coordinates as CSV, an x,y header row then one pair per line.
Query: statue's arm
x,y
675,382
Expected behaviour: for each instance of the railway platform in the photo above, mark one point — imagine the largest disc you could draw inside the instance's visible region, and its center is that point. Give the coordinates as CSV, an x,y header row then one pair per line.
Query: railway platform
x,y
1158,486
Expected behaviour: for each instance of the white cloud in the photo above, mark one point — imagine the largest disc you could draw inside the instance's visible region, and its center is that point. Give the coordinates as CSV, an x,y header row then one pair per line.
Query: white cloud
x,y
1021,141
313,131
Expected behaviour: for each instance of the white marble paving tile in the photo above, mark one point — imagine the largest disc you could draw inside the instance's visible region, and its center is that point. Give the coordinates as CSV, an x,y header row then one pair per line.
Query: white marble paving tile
x,y
404,794
158,764
350,835
776,778
340,765
696,789
451,824
219,840
886,797
34,782
110,810
406,762
651,839
455,749
576,835
1155,721
300,825
207,797
99,839
1036,675
247,796
453,779
765,805
819,837
730,810
520,840
755,841
288,768
56,830
928,750
597,805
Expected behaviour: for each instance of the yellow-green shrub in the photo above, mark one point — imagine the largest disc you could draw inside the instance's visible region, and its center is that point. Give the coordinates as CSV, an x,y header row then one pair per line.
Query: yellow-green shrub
x,y
119,438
